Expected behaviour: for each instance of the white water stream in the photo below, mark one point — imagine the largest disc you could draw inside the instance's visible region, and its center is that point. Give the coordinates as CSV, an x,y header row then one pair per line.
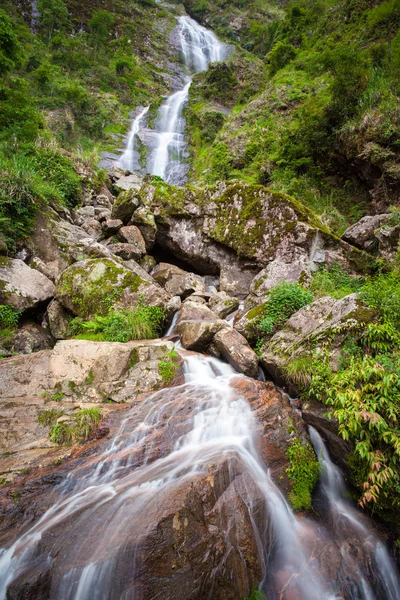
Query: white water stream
x,y
348,522
166,142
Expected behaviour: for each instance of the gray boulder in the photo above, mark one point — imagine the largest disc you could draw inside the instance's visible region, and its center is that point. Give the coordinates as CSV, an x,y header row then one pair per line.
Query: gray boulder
x,y
363,234
58,320
22,287
322,320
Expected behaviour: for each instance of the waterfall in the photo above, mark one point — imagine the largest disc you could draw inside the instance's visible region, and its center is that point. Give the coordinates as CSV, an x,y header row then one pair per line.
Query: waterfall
x,y
128,160
347,521
166,142
114,499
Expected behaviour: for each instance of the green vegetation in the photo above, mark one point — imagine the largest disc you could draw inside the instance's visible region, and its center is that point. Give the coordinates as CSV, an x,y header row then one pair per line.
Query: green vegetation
x,y
9,318
334,281
282,302
256,595
168,367
81,429
325,128
303,471
69,86
140,323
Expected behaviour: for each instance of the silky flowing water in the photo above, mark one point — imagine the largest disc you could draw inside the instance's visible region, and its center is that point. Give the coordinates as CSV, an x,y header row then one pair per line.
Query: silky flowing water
x,y
166,144
108,506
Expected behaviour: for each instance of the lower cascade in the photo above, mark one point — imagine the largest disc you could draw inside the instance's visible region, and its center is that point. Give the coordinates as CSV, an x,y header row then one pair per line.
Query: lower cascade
x,y
166,146
97,538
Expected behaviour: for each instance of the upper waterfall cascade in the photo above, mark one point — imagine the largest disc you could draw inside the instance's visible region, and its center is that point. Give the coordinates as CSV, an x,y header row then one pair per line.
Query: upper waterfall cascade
x,y
166,145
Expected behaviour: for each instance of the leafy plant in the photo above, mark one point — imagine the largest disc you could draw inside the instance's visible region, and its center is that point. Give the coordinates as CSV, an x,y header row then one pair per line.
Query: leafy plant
x,y
383,293
82,428
168,368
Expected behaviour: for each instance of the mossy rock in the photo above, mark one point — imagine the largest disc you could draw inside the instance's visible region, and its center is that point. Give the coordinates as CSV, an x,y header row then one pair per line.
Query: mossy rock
x,y
94,286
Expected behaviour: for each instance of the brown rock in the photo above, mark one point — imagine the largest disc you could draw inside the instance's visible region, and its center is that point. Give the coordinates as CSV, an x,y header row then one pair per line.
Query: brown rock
x,y
236,350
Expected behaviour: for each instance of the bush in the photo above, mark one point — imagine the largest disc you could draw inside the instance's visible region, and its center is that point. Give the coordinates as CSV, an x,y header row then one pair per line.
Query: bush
x,y
282,302
303,471
168,368
281,54
83,427
143,322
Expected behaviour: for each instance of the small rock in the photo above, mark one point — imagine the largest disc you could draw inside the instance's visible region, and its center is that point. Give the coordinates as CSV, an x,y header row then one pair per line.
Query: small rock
x,y
223,304
126,251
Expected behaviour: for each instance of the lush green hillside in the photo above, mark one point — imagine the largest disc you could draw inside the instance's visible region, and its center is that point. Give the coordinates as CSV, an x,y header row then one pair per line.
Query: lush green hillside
x,y
326,126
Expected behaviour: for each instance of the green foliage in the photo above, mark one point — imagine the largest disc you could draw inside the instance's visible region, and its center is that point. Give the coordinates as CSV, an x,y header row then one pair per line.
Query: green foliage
x,y
143,322
80,430
256,594
303,471
10,48
101,25
282,302
168,367
383,293
332,280
281,54
30,181
48,418
53,16
9,317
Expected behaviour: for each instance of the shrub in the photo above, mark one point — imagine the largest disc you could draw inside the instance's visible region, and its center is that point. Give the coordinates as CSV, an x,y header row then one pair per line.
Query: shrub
x,y
281,54
383,293
168,368
85,423
303,471
9,317
282,302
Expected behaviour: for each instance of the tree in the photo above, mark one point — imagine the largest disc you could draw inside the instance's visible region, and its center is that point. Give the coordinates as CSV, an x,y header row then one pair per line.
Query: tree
x,y
53,15
10,49
100,25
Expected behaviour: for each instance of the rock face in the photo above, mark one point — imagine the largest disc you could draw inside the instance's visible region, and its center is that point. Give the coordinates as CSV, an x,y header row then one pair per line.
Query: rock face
x,y
244,226
198,335
75,374
312,325
22,287
93,286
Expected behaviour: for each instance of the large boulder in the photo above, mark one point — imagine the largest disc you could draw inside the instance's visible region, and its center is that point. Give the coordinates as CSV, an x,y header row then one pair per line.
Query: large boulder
x,y
22,287
31,337
145,221
248,323
198,335
236,350
94,286
244,226
125,205
58,320
322,320
196,537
